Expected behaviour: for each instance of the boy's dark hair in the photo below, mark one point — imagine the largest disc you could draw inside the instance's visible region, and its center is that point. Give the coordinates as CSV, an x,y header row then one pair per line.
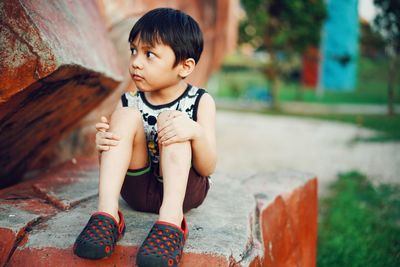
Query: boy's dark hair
x,y
173,28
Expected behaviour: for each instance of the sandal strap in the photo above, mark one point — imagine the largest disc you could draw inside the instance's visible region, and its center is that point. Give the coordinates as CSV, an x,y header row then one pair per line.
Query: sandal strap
x,y
120,225
183,229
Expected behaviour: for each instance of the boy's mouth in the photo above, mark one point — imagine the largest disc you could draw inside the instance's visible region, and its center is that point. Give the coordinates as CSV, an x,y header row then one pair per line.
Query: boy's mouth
x,y
137,77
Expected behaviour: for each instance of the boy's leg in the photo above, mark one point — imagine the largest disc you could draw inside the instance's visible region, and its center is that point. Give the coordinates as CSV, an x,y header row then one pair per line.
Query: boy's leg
x,y
163,245
131,152
101,233
175,165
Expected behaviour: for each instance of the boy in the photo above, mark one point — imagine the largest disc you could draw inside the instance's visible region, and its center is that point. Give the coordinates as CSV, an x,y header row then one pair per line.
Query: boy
x,y
160,147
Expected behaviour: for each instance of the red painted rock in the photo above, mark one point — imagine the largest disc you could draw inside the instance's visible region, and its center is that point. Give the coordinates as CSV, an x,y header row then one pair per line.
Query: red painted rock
x,y
20,209
57,63
29,204
288,224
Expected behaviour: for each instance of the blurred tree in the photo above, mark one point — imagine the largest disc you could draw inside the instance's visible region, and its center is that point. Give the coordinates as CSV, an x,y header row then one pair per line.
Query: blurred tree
x,y
288,26
388,23
371,42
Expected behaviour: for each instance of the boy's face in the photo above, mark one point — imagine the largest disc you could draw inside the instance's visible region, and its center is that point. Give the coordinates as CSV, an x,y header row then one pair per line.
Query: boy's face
x,y
151,67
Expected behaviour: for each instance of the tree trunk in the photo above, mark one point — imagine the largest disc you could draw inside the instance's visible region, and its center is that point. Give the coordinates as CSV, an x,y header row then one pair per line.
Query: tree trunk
x,y
272,76
392,85
274,92
272,70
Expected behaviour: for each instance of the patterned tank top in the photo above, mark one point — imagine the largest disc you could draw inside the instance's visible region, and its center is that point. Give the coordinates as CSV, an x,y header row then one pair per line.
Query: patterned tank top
x,y
188,102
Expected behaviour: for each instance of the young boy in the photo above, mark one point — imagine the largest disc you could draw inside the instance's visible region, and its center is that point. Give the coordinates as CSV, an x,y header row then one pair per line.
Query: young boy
x,y
160,147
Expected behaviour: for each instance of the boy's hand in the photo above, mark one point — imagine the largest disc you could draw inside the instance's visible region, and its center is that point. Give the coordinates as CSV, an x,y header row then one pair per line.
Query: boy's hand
x,y
177,128
105,139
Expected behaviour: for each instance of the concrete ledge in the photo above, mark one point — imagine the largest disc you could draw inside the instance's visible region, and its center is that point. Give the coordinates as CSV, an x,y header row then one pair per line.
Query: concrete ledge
x,y
265,219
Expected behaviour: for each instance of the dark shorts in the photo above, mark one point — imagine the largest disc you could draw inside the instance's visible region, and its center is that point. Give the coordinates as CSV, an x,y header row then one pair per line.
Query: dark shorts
x,y
143,191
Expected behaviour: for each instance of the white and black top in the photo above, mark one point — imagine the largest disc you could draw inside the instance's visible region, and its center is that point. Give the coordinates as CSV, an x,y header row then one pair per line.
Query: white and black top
x,y
188,102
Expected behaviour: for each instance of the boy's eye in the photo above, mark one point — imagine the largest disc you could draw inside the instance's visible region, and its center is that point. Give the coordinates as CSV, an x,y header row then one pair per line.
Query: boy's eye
x,y
133,51
150,55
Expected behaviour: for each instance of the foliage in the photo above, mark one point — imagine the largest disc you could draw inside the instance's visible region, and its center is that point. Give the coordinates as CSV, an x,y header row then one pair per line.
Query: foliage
x,y
359,224
289,25
281,25
388,22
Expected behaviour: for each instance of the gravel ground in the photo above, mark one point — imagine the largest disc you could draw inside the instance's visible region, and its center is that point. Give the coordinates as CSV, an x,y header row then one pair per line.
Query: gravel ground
x,y
252,143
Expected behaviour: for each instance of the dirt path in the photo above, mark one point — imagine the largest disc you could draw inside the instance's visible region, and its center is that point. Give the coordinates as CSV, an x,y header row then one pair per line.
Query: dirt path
x,y
249,143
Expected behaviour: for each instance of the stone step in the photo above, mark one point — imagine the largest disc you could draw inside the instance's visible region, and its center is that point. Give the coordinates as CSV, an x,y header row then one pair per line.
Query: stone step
x,y
267,219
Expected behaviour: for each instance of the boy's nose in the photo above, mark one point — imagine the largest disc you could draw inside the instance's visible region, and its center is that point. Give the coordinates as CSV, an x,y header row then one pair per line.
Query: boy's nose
x,y
136,63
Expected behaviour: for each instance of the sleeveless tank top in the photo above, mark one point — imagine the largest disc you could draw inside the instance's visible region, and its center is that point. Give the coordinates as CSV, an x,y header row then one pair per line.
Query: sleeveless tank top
x,y
188,102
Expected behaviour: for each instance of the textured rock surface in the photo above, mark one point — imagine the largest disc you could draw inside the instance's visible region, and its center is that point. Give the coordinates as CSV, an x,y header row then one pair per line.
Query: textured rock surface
x,y
266,219
57,64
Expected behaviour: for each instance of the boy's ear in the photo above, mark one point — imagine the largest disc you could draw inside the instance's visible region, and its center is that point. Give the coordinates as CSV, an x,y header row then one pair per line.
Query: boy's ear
x,y
187,66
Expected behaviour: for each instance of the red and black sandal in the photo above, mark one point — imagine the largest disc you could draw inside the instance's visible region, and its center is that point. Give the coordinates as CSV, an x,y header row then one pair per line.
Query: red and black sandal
x,y
163,246
97,240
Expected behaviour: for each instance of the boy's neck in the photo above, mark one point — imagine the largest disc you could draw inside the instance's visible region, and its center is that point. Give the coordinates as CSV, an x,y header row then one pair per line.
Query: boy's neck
x,y
166,95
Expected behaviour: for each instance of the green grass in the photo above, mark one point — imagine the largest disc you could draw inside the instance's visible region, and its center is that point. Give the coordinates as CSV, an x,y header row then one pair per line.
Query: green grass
x,y
388,126
293,92
359,224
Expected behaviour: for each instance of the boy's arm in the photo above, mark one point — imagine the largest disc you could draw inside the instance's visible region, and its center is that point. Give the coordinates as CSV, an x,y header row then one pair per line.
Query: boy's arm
x,y
204,148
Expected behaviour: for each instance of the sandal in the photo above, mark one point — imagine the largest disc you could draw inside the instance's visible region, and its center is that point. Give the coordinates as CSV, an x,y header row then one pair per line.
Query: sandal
x,y
97,240
163,246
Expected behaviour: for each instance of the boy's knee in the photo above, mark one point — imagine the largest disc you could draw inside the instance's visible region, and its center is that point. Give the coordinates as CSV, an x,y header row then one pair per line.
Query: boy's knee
x,y
125,120
126,114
